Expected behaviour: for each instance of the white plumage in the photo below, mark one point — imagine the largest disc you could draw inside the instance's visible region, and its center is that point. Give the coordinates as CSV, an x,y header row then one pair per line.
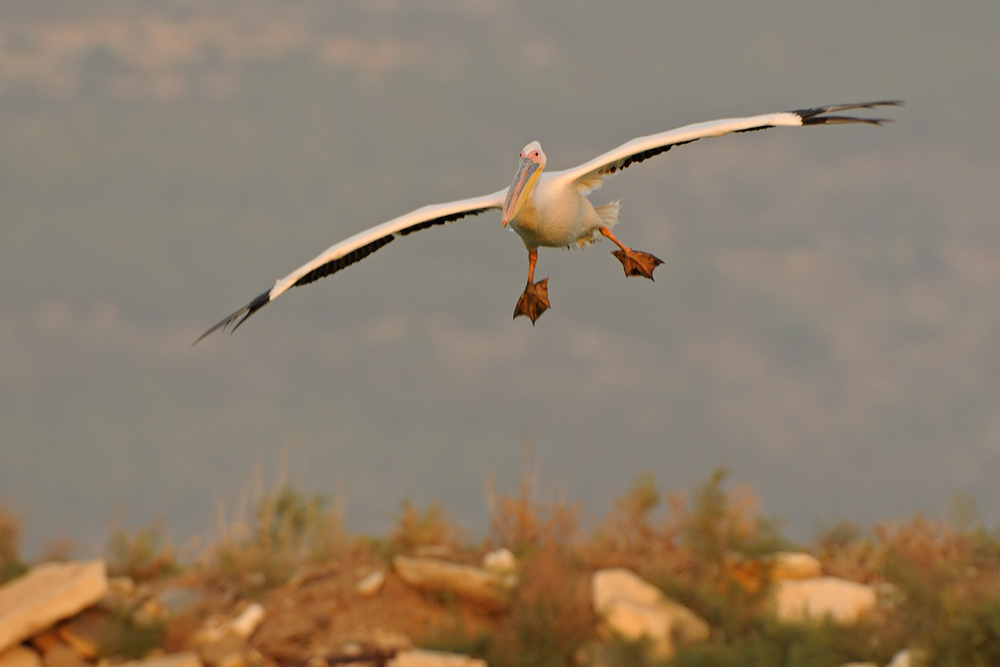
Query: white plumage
x,y
546,208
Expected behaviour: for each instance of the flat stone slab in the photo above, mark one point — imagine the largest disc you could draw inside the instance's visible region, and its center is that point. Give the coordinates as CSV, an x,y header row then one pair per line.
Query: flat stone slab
x,y
490,589
804,600
47,594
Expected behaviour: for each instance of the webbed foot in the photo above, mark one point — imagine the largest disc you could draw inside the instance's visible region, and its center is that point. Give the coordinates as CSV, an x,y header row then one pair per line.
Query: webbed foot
x,y
534,301
637,263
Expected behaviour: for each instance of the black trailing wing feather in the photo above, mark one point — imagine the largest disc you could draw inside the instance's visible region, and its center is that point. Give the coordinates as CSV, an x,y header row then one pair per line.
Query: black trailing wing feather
x,y
452,217
815,116
334,265
242,314
812,116
623,163
754,129
357,255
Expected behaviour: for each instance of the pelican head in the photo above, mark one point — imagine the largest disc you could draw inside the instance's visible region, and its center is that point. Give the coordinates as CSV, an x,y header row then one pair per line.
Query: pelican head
x,y
528,171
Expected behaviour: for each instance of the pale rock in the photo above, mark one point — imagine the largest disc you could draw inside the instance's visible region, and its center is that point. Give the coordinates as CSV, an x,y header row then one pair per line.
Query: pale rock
x,y
212,630
221,642
634,621
489,589
371,584
216,641
801,600
618,583
631,607
20,656
47,594
422,658
908,657
501,560
247,622
791,565
688,627
189,659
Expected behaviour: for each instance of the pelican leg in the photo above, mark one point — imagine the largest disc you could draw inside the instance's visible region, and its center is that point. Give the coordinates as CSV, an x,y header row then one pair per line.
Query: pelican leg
x,y
535,299
635,262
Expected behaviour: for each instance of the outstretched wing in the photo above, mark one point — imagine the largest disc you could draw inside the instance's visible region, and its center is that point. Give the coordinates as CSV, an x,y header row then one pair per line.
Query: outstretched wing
x,y
590,175
361,245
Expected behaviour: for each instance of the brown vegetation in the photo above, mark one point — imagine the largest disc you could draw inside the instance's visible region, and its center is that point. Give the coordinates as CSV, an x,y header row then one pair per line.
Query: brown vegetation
x,y
938,580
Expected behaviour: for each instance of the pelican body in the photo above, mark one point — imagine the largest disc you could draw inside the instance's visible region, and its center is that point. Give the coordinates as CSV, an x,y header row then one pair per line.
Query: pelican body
x,y
546,209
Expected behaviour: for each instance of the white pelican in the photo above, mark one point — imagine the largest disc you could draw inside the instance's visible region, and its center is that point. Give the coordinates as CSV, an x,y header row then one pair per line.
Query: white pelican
x,y
548,209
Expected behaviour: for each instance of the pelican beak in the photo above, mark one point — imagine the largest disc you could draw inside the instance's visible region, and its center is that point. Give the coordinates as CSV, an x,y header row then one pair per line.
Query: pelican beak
x,y
527,174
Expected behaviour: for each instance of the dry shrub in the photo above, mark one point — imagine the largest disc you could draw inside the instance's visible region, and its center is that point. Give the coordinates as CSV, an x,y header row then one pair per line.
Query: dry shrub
x,y
144,556
551,617
11,564
947,589
711,549
628,537
429,528
525,524
58,549
286,531
950,589
124,638
847,552
768,642
721,524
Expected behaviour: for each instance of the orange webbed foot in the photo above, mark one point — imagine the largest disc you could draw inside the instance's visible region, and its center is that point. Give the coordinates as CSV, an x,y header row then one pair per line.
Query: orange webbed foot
x,y
637,263
534,301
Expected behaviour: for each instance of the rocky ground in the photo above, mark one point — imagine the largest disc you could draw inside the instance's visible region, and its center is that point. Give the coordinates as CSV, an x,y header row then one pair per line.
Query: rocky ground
x,y
708,585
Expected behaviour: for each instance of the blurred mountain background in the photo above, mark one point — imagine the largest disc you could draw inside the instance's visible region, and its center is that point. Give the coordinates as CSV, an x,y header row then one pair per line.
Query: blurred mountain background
x,y
827,323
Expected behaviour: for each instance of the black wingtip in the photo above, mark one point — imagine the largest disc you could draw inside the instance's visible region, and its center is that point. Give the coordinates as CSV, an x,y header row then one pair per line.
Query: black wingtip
x,y
242,314
815,116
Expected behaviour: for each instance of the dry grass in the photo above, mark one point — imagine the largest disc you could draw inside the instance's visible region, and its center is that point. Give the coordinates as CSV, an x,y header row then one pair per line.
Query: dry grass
x,y
525,523
551,617
11,564
146,555
286,531
428,528
707,548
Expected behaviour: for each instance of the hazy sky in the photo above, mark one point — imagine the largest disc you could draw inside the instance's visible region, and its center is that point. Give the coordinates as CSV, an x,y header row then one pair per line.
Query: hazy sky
x,y
827,323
